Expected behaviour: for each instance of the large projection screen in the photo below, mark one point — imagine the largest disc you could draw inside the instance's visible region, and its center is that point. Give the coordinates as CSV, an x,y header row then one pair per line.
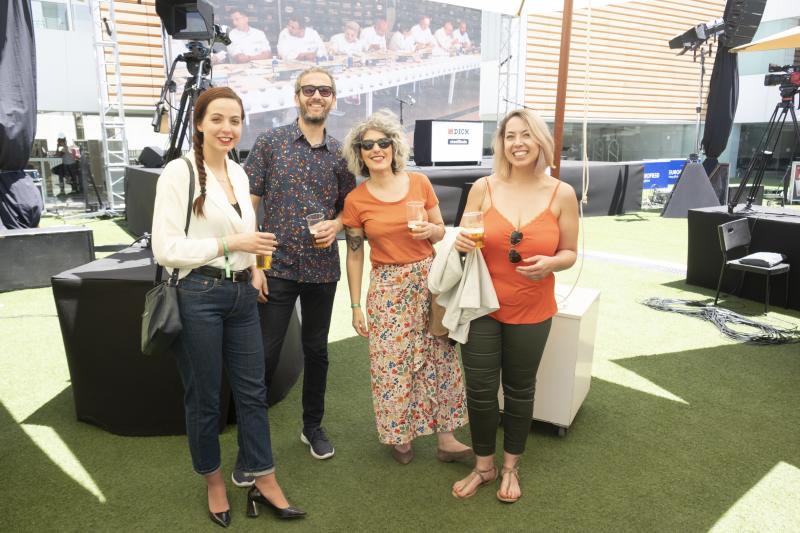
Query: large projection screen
x,y
442,82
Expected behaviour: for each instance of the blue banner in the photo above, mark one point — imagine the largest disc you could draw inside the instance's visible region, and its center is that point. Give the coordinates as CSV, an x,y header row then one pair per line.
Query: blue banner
x,y
662,173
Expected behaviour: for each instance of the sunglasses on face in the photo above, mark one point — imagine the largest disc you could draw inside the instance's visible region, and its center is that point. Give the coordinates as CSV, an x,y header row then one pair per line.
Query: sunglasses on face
x,y
383,144
513,255
309,90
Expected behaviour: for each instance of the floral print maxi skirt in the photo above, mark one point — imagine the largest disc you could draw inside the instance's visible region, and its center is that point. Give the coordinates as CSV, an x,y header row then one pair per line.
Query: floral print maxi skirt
x,y
417,385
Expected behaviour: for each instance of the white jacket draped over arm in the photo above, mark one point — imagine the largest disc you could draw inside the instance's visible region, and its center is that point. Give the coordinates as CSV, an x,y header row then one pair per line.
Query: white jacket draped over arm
x,y
466,293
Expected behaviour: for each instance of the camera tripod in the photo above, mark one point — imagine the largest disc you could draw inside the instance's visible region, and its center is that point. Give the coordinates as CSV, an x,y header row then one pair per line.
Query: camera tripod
x,y
766,146
198,63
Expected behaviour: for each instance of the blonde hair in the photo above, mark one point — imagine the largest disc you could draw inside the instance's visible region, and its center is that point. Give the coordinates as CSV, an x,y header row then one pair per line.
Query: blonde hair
x,y
385,122
541,134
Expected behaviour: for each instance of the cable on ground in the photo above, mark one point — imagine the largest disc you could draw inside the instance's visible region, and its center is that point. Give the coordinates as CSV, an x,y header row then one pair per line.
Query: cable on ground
x,y
733,325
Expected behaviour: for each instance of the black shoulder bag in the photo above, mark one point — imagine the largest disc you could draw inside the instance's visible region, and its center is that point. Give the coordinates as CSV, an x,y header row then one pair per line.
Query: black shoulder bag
x,y
161,319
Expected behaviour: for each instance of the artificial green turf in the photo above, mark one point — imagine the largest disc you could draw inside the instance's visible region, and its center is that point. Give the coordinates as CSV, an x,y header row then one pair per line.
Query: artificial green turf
x,y
679,425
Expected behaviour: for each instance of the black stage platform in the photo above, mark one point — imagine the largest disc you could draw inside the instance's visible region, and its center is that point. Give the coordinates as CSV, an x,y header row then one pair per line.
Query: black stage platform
x,y
614,188
115,387
772,229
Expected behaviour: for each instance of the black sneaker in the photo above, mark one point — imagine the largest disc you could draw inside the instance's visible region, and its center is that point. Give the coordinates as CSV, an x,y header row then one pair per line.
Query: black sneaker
x,y
317,440
240,479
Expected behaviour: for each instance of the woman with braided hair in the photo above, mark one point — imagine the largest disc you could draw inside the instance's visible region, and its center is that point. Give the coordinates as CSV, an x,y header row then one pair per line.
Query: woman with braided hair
x,y
217,294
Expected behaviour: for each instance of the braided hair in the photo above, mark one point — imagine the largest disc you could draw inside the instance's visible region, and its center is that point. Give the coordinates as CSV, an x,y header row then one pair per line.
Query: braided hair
x,y
200,107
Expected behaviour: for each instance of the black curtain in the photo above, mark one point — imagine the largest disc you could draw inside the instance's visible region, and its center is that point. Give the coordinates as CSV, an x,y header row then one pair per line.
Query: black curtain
x,y
20,200
17,84
723,94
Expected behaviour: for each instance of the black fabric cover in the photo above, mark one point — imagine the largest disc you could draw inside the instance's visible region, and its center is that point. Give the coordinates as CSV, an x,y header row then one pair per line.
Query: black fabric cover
x,y
692,190
723,95
772,230
115,387
17,84
20,201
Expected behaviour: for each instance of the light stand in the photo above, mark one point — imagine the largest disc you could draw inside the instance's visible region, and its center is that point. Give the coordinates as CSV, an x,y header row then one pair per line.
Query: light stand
x,y
410,102
699,108
766,146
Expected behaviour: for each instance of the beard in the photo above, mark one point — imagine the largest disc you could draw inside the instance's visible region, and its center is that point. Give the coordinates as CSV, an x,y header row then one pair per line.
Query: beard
x,y
316,120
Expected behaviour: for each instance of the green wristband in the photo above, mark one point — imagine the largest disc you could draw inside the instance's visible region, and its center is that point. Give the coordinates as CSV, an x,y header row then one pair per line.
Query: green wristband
x,y
227,261
355,306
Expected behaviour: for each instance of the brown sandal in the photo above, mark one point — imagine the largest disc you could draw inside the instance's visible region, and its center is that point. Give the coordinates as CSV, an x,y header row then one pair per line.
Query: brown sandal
x,y
482,475
504,472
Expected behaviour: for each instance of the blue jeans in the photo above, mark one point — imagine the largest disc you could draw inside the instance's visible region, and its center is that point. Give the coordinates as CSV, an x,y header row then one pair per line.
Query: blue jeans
x,y
221,327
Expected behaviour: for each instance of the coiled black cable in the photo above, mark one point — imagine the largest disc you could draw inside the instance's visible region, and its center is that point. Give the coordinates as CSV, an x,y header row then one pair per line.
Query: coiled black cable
x,y
730,323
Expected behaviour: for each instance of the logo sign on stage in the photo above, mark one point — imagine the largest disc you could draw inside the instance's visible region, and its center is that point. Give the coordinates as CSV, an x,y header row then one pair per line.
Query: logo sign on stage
x,y
456,141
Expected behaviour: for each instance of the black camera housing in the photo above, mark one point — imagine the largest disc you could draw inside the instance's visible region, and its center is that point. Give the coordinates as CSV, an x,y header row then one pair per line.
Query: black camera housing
x,y
187,20
789,75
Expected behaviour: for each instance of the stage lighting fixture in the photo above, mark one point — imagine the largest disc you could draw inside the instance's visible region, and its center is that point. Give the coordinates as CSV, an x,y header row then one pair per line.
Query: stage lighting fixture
x,y
187,20
696,36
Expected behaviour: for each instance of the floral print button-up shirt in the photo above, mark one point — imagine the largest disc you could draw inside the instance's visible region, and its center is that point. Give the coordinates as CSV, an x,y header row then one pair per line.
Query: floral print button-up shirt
x,y
296,179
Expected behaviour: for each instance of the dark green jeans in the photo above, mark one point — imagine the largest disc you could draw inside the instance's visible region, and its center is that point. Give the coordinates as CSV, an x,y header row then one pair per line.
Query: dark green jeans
x,y
516,350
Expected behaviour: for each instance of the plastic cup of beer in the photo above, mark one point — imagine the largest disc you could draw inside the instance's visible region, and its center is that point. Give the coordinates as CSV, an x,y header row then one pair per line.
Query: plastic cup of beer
x,y
313,220
415,214
263,261
472,224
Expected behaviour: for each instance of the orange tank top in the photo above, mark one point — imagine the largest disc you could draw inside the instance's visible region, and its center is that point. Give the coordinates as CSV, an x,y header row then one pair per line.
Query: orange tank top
x,y
522,301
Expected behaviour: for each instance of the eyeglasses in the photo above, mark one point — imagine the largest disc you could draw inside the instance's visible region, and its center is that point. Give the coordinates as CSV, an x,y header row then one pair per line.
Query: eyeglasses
x,y
513,255
382,144
309,90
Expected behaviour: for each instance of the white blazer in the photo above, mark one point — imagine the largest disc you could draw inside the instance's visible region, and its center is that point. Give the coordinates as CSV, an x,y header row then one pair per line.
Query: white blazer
x,y
466,293
171,247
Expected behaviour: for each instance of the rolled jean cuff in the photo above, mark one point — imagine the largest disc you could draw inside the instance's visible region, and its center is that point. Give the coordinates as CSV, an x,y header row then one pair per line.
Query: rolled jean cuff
x,y
263,472
207,472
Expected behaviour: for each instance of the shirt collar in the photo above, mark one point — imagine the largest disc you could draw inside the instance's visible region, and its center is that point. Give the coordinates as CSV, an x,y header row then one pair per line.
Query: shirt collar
x,y
297,134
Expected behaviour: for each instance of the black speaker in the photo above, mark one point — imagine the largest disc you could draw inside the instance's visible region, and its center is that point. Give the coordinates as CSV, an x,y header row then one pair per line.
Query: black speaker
x,y
742,18
40,253
152,157
422,142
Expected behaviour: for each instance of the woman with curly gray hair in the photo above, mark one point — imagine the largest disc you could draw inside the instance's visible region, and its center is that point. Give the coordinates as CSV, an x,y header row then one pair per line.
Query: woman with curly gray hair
x,y
417,386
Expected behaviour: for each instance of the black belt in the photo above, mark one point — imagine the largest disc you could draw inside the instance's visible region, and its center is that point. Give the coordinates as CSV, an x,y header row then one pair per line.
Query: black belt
x,y
219,273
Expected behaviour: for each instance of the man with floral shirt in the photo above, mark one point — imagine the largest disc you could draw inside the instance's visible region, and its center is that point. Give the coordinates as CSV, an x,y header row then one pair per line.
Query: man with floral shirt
x,y
297,170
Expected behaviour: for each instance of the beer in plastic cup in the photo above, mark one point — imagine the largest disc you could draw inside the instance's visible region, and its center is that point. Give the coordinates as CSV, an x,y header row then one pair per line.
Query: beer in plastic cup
x,y
472,224
313,221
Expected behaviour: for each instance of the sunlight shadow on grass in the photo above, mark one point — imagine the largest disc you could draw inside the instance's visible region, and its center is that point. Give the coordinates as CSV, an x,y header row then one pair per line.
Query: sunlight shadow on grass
x,y
613,373
49,442
772,504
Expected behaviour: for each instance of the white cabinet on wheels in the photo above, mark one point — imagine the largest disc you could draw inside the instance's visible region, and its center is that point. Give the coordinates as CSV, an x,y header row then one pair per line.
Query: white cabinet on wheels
x,y
565,372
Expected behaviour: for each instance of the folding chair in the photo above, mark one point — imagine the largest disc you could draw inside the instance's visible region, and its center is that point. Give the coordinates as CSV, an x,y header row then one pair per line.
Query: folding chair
x,y
736,234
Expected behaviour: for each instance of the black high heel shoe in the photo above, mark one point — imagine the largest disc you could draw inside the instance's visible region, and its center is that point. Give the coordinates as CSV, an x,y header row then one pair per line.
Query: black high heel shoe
x,y
254,496
222,519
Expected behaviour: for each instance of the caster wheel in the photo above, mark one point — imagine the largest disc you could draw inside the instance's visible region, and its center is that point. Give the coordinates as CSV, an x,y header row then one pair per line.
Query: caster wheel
x,y
562,432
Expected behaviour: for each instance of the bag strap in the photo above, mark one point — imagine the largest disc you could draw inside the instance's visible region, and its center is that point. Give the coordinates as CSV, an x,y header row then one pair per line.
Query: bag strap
x,y
173,279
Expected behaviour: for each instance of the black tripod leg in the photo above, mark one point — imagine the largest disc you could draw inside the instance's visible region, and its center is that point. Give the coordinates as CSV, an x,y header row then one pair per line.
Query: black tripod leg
x,y
755,162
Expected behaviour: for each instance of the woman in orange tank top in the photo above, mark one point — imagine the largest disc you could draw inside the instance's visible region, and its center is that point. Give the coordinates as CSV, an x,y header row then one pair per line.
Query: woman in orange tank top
x,y
530,224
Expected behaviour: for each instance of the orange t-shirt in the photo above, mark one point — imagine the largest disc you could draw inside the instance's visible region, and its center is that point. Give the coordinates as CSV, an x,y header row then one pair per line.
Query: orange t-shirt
x,y
522,301
385,223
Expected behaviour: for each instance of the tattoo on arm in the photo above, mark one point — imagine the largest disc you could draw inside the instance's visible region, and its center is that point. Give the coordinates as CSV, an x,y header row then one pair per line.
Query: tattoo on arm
x,y
354,241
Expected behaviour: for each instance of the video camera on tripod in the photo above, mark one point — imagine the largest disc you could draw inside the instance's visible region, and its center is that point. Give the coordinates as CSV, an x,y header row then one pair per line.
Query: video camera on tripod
x,y
191,21
788,79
